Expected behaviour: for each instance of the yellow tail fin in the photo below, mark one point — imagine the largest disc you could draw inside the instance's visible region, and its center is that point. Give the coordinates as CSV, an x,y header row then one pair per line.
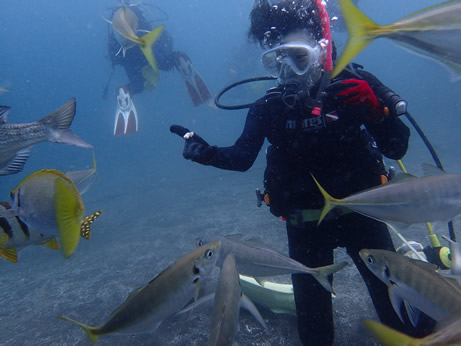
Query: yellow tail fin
x,y
360,29
9,254
69,212
3,240
389,336
91,331
51,244
329,201
146,44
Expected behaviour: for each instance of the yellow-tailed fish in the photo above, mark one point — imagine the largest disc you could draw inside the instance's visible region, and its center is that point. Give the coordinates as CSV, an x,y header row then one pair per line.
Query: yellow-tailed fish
x,y
278,297
448,333
16,235
16,139
49,203
125,26
405,199
434,32
415,284
258,261
146,307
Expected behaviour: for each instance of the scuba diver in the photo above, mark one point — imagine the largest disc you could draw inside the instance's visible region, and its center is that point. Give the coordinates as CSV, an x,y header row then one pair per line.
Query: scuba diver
x,y
338,134
142,58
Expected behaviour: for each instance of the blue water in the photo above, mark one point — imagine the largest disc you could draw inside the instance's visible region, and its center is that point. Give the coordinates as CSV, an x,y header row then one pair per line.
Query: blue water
x,y
156,202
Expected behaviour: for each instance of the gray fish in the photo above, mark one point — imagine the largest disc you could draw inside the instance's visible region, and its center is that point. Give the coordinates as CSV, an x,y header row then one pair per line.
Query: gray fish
x,y
434,32
405,199
16,139
16,235
146,307
258,261
225,316
414,283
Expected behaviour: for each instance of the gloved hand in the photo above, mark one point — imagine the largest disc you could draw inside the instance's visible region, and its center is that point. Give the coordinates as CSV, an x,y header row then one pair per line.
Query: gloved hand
x,y
357,94
195,147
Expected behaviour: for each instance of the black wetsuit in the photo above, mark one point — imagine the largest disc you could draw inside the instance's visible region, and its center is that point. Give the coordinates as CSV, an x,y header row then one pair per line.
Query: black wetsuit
x,y
345,157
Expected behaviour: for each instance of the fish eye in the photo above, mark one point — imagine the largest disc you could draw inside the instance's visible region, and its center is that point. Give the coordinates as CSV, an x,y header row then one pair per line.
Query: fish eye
x,y
200,242
370,260
209,254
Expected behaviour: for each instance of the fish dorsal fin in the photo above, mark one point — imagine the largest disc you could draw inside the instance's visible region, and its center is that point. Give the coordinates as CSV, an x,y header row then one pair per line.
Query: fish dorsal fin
x,y
51,244
4,110
17,163
400,177
9,254
430,170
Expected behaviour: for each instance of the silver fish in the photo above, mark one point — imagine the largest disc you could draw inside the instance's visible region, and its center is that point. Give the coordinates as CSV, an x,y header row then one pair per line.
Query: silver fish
x,y
16,139
225,316
146,307
414,283
258,261
434,32
405,199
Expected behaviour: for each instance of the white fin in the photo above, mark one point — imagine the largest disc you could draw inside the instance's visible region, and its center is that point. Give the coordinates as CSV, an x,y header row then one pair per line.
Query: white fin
x,y
247,304
17,163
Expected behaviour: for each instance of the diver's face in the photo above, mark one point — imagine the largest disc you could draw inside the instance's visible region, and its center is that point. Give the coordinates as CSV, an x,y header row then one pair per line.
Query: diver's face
x,y
295,60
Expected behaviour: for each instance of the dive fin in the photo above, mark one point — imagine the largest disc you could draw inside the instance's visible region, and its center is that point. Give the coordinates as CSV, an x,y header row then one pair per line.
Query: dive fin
x,y
126,116
17,163
195,85
362,31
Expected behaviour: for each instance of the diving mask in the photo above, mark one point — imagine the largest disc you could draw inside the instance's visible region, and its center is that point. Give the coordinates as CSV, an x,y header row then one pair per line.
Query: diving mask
x,y
298,57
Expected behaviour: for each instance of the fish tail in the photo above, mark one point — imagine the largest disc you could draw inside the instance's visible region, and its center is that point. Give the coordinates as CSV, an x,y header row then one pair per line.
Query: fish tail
x,y
389,336
90,331
147,41
85,226
329,201
322,274
360,29
60,121
3,241
9,254
69,212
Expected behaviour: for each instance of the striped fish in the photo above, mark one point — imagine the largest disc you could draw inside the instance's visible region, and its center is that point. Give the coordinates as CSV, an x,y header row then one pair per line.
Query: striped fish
x,y
415,284
16,235
146,307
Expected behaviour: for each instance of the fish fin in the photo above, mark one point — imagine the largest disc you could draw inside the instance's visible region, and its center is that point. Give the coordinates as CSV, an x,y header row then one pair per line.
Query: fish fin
x,y
322,274
431,170
360,29
69,207
3,240
4,110
198,302
413,313
197,290
16,164
329,201
146,44
51,244
10,254
60,121
387,335
396,301
90,331
246,303
85,226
